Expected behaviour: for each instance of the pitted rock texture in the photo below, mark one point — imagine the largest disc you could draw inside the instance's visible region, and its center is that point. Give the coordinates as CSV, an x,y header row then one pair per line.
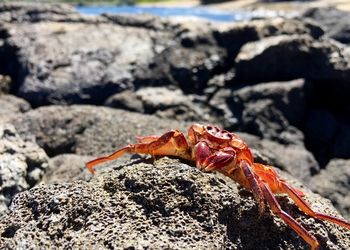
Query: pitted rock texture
x,y
167,204
22,164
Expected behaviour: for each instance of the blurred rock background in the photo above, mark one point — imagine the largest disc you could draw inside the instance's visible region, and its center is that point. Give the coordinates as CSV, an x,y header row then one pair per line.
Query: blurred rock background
x,y
74,87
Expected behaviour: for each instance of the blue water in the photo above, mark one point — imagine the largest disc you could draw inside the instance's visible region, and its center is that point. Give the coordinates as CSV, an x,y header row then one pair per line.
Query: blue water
x,y
205,13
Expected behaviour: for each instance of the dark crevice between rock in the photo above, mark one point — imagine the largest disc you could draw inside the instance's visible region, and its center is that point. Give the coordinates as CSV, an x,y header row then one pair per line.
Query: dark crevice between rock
x,y
11,66
10,231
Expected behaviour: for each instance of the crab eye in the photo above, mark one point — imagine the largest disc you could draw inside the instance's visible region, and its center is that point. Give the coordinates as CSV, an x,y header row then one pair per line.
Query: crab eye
x,y
209,128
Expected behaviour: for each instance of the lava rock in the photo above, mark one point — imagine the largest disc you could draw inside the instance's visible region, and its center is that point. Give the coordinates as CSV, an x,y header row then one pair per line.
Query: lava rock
x,y
22,164
65,63
272,110
335,22
17,12
290,57
88,130
11,106
233,36
166,204
333,182
294,159
162,102
66,168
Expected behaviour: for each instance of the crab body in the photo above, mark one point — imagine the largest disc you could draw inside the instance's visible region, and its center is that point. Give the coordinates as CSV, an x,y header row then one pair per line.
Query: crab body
x,y
214,149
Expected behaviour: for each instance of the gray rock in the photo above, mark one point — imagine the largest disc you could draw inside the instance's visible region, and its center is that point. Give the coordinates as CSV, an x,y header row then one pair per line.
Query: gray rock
x,y
66,168
22,164
323,62
163,102
35,12
290,57
233,36
166,204
335,22
334,184
295,159
88,130
11,106
272,110
63,66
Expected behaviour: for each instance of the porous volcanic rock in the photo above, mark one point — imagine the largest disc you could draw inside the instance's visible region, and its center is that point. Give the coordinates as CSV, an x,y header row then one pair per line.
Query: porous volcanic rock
x,y
12,106
165,204
333,182
22,164
89,130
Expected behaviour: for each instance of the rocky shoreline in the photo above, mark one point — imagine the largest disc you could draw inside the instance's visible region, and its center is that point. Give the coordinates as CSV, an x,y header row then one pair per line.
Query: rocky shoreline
x,y
74,87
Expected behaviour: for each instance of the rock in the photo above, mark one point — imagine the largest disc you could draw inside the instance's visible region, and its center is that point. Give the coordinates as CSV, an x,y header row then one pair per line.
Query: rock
x,y
22,164
18,12
290,57
324,63
5,84
66,168
162,205
11,106
327,136
334,183
162,102
77,67
88,130
272,110
335,22
295,159
233,36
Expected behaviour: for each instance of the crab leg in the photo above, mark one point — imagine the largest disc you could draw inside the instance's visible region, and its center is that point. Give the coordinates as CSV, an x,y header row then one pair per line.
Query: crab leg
x,y
308,210
254,186
276,209
171,143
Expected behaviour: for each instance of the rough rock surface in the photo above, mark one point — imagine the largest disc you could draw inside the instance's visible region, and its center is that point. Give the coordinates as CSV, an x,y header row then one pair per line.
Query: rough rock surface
x,y
66,168
334,183
162,205
163,102
22,164
295,159
88,130
290,57
11,106
272,110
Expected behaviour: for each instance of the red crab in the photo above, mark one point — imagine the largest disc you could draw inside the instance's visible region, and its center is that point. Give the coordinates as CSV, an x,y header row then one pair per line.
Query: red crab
x,y
214,149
